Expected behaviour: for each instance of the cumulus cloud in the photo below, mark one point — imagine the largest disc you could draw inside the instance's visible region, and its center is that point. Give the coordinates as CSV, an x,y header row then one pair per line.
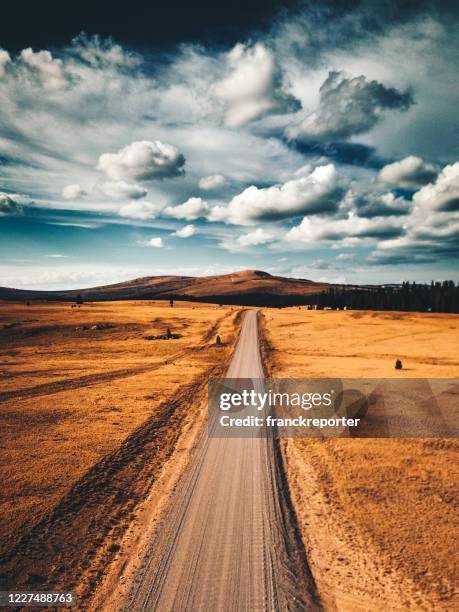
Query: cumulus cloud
x,y
193,208
409,173
143,160
73,192
253,86
122,189
139,209
319,192
214,181
259,236
185,232
348,231
443,194
348,106
47,69
157,243
432,228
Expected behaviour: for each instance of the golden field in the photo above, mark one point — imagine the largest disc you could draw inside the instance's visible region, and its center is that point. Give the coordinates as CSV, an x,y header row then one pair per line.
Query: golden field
x,y
377,516
360,344
91,408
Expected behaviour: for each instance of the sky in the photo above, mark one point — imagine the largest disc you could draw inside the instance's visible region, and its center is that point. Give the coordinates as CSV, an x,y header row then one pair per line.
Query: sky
x,y
311,140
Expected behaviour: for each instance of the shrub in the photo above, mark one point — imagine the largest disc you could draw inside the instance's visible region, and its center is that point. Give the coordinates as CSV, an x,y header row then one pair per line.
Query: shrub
x,y
398,365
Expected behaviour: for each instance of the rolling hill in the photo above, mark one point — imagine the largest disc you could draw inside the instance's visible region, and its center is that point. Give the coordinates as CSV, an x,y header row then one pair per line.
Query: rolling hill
x,y
249,287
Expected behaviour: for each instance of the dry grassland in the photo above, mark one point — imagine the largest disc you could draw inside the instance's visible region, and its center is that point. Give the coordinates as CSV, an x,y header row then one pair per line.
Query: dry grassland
x,y
378,517
90,410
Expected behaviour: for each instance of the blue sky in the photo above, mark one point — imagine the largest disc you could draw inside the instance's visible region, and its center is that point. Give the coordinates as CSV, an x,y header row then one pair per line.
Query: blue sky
x,y
320,145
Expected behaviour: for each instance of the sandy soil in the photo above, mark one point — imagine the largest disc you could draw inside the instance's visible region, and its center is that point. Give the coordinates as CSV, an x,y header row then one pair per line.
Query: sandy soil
x,y
377,516
91,409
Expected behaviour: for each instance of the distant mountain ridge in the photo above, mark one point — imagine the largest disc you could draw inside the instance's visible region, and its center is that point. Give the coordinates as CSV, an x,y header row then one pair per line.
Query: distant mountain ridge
x,y
248,287
258,288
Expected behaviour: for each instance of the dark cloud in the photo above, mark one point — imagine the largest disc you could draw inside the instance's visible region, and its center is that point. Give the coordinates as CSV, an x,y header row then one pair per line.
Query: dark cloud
x,y
316,28
349,153
10,160
9,206
419,249
370,204
349,106
395,258
451,205
382,232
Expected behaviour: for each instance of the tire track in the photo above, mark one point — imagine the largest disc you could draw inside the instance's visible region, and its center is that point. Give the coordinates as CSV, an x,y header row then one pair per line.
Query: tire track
x,y
95,379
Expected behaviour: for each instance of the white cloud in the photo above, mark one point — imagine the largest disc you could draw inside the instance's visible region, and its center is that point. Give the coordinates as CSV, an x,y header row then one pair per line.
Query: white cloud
x,y
108,104
409,173
192,209
4,60
122,189
103,53
157,243
143,160
253,87
49,71
317,193
73,192
432,228
185,232
345,257
139,209
214,181
64,275
20,198
348,231
443,194
259,236
304,170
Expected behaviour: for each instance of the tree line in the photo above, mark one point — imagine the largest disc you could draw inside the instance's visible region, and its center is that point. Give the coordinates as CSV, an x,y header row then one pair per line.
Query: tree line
x,y
415,297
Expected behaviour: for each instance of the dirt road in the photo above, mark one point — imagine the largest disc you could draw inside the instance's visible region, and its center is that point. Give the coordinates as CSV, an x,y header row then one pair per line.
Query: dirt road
x,y
228,542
